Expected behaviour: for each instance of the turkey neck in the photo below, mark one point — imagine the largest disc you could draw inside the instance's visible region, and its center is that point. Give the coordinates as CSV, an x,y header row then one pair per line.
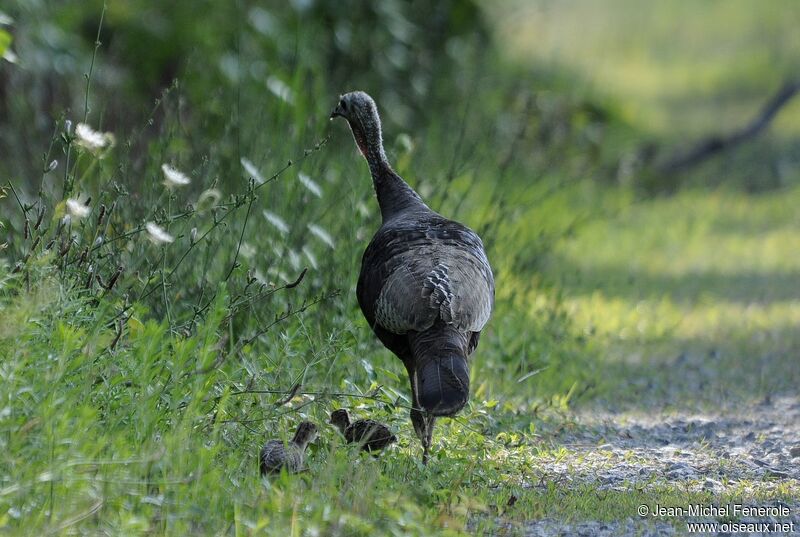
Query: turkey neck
x,y
301,440
342,426
301,443
394,194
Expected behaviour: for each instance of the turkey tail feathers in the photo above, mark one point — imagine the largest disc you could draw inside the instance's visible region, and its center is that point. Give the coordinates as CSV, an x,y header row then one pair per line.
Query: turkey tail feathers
x,y
442,371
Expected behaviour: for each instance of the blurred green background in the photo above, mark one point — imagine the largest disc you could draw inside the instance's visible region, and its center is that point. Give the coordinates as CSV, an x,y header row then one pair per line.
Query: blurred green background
x,y
136,408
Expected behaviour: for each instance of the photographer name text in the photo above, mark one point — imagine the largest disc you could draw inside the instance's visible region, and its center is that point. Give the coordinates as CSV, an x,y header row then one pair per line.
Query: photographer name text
x,y
716,511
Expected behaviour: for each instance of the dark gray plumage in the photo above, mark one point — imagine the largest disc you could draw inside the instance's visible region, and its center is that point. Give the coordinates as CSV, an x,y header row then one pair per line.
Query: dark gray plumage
x,y
276,455
426,287
370,434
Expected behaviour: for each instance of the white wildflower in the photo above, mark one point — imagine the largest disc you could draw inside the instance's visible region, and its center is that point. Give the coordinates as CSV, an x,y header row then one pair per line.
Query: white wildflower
x,y
53,165
294,259
260,277
247,250
279,274
280,89
157,234
362,208
323,235
277,221
262,20
76,209
310,184
208,199
91,140
173,177
277,248
405,142
251,170
10,56
311,257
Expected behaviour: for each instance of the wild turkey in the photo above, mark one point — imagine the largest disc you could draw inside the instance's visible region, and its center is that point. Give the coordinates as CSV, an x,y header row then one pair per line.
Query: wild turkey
x,y
276,455
426,287
372,435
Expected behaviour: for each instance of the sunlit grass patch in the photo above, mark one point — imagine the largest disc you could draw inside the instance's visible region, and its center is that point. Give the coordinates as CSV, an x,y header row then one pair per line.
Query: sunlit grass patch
x,y
679,67
704,273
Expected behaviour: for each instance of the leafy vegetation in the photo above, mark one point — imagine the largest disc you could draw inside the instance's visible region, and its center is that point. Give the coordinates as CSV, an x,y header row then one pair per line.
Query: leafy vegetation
x,y
677,71
183,230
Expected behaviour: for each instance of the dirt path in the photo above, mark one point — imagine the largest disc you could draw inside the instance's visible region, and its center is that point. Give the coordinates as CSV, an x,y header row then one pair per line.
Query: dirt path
x,y
697,332
742,454
717,452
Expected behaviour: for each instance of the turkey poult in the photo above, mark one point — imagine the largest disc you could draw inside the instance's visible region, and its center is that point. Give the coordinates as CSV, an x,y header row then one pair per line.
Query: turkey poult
x,y
370,434
276,455
426,287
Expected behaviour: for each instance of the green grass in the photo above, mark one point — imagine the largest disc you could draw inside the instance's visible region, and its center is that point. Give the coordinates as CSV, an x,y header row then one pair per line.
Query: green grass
x,y
678,67
676,72
141,407
145,438
709,274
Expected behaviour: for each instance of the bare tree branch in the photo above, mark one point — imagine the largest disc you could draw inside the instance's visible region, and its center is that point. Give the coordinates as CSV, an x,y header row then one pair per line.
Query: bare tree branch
x,y
712,145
